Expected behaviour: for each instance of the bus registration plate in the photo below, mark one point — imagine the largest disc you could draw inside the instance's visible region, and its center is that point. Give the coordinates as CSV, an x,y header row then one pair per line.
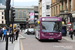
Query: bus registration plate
x,y
51,38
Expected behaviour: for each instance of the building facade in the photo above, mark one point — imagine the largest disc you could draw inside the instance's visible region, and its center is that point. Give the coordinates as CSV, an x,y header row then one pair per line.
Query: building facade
x,y
2,2
66,10
21,13
40,8
44,8
58,6
2,17
62,8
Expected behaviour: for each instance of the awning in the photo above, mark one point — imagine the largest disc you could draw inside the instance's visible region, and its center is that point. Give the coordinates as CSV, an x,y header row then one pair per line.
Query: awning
x,y
68,23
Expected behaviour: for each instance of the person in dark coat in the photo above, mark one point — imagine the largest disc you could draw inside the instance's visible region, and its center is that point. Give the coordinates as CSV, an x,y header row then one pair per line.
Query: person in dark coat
x,y
71,34
1,32
74,32
17,32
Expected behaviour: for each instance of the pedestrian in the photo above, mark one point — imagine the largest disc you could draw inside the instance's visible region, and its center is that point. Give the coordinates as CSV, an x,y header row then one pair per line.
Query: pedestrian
x,y
4,33
14,31
13,35
74,32
71,34
10,29
1,33
17,32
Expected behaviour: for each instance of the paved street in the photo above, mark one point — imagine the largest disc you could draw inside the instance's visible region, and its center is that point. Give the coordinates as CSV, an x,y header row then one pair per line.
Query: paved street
x,y
3,45
14,46
30,43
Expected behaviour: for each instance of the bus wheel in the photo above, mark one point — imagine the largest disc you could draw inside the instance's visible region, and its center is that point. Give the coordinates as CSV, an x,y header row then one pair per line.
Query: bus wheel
x,y
36,37
39,39
27,33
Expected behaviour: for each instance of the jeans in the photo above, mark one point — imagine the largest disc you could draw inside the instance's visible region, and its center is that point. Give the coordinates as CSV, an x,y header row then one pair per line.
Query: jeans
x,y
4,37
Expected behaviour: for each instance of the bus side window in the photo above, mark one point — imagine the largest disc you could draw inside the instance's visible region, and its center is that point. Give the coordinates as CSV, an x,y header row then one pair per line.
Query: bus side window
x,y
37,26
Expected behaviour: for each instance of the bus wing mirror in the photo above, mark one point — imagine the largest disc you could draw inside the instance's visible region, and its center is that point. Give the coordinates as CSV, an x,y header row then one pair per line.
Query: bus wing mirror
x,y
38,22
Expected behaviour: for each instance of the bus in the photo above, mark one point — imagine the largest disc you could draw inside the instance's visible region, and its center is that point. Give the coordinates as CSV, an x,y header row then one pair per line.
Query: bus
x,y
48,28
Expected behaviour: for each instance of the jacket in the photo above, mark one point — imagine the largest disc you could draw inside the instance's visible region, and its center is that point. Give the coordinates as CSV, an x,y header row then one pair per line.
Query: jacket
x,y
71,32
4,31
13,31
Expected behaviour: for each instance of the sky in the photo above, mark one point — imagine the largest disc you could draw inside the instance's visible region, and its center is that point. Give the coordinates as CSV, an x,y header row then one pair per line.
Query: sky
x,y
24,2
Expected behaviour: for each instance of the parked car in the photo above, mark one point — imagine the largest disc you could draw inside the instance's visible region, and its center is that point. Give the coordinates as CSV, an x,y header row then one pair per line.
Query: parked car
x,y
26,31
30,31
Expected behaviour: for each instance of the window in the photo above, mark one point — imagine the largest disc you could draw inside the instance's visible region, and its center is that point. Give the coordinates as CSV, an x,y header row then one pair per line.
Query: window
x,y
70,5
2,22
47,6
24,13
37,26
56,10
16,13
2,13
47,26
20,14
2,17
48,15
63,6
59,7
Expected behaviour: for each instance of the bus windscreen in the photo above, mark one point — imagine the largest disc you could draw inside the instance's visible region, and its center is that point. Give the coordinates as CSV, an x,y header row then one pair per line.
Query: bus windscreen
x,y
48,26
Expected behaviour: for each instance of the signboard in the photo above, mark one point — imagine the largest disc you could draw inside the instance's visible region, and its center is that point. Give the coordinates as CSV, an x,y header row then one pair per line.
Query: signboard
x,y
50,19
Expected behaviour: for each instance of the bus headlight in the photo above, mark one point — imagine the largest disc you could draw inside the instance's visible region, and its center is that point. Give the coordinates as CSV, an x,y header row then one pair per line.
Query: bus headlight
x,y
59,35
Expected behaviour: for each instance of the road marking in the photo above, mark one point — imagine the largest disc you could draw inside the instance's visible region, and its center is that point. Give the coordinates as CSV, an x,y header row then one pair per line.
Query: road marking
x,y
21,45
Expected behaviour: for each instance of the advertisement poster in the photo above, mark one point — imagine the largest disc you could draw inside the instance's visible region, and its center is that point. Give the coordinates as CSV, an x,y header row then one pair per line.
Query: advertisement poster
x,y
31,16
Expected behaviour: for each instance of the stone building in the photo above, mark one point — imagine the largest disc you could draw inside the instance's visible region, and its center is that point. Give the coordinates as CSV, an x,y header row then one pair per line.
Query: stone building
x,y
44,8
63,8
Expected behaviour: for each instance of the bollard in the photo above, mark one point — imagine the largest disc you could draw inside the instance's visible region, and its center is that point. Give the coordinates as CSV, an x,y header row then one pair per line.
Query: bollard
x,y
7,35
6,42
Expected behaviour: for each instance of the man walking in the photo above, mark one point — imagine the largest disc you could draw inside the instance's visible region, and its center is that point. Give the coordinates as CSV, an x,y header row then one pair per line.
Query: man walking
x,y
17,32
71,34
74,32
